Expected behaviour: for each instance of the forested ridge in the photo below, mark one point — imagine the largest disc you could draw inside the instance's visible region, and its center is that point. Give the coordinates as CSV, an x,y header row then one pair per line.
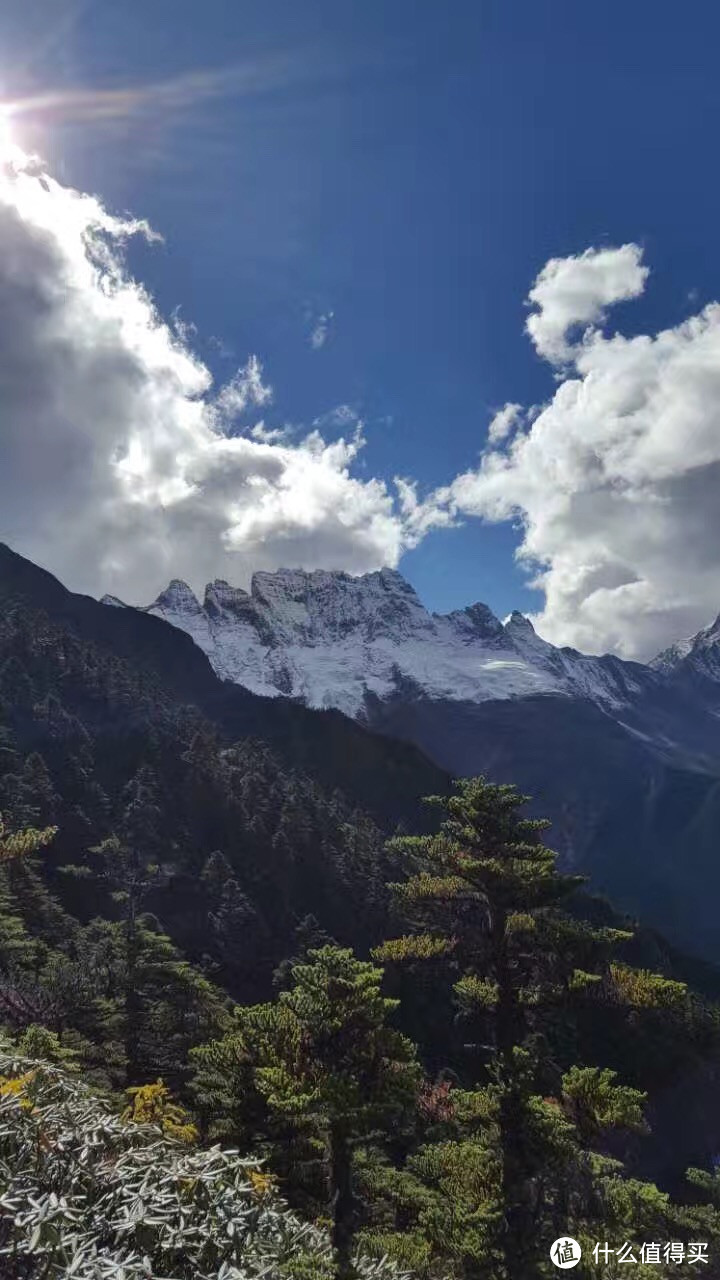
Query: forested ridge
x,y
433,1050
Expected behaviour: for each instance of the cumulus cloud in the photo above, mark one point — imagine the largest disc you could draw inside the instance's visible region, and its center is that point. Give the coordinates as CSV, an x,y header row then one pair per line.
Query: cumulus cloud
x,y
574,291
421,516
244,391
616,480
504,422
120,464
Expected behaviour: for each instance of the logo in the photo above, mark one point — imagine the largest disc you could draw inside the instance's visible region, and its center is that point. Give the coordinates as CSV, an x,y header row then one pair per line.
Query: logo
x,y
565,1253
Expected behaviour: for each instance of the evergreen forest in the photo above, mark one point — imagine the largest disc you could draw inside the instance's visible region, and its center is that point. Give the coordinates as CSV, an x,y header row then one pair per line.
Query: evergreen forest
x,y
259,1020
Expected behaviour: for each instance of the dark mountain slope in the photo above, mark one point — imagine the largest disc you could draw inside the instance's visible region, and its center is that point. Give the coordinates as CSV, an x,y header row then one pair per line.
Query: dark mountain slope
x,y
645,831
644,827
258,813
112,722
386,778
623,757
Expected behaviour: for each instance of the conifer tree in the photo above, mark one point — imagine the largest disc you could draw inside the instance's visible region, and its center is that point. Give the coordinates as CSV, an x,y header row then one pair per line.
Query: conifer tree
x,y
22,955
23,843
129,878
236,932
323,1058
8,749
17,847
484,896
165,1005
37,1041
308,936
215,873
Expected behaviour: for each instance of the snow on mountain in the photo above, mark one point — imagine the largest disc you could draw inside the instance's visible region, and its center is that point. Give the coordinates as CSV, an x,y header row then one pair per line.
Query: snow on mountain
x,y
330,640
700,653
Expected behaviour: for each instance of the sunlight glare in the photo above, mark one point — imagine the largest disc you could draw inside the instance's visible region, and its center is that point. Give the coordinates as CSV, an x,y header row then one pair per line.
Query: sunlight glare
x,y
13,156
5,138
9,149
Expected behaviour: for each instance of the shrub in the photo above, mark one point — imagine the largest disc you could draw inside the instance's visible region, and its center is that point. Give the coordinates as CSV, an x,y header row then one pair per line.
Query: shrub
x,y
88,1195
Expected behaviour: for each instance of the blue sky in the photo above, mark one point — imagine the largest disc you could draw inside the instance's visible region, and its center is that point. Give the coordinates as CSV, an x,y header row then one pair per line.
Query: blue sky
x,y
407,168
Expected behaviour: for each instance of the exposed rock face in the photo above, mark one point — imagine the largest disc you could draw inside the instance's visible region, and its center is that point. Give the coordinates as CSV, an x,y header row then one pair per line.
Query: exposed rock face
x,y
624,757
329,639
700,654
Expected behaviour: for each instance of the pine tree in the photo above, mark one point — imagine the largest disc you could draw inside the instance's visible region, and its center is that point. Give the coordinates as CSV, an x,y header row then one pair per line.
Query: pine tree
x,y
140,824
16,686
29,795
236,932
308,936
44,918
164,1005
8,749
18,948
23,843
23,957
215,873
16,944
37,1041
485,898
129,878
323,1059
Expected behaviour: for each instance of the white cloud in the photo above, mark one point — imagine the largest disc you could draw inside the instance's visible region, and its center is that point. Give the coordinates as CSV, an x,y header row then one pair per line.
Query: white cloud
x,y
572,292
617,479
120,465
244,391
420,516
320,331
504,422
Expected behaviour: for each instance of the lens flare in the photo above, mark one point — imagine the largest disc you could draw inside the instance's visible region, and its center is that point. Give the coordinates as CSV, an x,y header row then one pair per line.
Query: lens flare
x,y
10,152
5,135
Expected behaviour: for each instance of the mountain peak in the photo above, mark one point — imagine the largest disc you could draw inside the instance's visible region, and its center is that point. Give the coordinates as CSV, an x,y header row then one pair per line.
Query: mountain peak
x,y
220,596
700,652
518,622
321,606
177,597
334,639
477,622
302,581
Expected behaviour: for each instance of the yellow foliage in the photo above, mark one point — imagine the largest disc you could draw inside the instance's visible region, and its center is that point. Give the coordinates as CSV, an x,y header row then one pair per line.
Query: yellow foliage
x,y
520,922
426,886
478,993
645,990
153,1104
582,981
16,1087
263,1184
421,946
21,844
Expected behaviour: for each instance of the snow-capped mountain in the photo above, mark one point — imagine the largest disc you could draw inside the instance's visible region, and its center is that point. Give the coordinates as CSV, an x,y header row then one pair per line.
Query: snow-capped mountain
x,y
623,757
333,640
699,654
